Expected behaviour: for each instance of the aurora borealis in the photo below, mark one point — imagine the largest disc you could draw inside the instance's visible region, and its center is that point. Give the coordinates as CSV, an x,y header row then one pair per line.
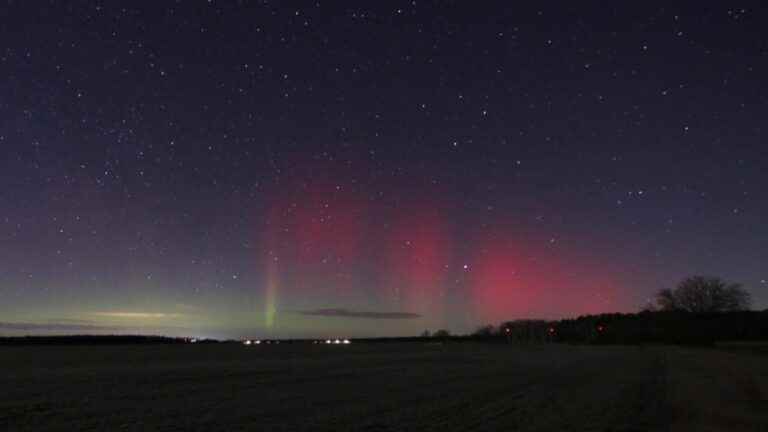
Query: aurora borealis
x,y
318,169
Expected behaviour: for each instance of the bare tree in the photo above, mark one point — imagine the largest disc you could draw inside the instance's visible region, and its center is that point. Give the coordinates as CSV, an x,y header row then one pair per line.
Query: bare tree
x,y
650,306
667,300
485,331
704,294
442,333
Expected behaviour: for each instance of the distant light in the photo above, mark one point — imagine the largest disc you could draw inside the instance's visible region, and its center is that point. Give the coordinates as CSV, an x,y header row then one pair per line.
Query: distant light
x,y
346,341
507,330
247,342
258,342
327,341
193,340
337,341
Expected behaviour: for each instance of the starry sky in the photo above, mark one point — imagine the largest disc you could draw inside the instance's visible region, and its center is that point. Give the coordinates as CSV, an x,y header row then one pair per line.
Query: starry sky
x,y
311,169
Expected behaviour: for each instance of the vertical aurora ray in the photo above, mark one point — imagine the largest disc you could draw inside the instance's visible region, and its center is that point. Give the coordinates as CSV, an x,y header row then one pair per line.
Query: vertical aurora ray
x,y
325,246
270,261
270,297
419,251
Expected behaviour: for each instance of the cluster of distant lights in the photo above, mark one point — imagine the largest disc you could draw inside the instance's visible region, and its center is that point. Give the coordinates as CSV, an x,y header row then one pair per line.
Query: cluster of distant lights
x,y
334,342
325,342
551,330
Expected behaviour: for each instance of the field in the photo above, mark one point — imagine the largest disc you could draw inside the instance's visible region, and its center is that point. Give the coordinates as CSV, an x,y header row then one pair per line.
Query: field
x,y
380,387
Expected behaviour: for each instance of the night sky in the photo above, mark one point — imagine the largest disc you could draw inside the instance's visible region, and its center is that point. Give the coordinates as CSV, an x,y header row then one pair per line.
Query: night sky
x,y
285,169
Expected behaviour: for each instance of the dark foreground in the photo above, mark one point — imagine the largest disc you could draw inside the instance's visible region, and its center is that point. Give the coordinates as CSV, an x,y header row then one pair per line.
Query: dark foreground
x,y
380,387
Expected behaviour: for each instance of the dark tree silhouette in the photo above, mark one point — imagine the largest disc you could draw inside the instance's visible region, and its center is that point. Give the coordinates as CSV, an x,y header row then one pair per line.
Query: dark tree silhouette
x,y
442,333
701,294
485,331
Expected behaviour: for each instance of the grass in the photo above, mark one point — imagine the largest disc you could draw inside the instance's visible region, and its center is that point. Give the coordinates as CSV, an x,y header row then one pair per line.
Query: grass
x,y
379,387
754,347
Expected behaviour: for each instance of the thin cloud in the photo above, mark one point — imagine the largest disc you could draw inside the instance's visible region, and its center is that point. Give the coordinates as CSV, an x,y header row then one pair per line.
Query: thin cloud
x,y
76,321
137,315
346,313
67,328
54,326
186,307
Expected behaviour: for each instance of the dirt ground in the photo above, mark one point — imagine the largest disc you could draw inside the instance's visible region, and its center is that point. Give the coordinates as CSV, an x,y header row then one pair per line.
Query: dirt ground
x,y
381,387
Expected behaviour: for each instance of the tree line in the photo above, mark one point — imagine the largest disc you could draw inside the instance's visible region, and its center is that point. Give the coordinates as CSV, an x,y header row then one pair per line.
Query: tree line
x,y
700,310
